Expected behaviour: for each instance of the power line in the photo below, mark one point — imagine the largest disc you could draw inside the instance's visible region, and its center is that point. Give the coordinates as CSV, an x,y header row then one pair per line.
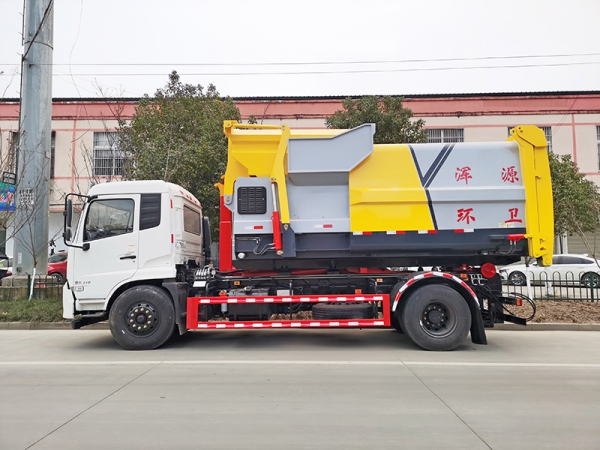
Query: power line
x,y
305,63
319,72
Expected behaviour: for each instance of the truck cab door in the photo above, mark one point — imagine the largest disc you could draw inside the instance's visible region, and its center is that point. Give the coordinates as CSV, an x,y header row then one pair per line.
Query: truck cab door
x,y
110,228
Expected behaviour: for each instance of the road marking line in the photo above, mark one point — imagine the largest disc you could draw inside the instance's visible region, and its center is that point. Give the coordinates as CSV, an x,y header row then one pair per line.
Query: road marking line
x,y
332,363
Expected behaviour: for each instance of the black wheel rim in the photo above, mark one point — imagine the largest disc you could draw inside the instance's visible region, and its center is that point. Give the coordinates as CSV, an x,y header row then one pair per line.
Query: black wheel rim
x,y
142,319
590,280
437,319
517,279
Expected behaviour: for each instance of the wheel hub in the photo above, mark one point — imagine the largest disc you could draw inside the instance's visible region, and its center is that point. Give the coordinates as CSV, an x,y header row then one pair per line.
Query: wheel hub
x,y
435,317
142,318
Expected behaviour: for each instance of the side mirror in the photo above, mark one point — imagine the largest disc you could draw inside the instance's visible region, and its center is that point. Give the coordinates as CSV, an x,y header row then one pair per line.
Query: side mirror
x,y
68,213
67,234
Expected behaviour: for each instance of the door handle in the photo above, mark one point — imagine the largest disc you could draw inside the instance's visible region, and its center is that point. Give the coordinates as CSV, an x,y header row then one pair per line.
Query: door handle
x,y
127,257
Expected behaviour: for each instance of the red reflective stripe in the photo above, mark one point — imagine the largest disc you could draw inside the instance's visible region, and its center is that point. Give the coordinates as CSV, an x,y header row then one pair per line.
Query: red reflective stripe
x,y
328,225
459,231
172,239
258,227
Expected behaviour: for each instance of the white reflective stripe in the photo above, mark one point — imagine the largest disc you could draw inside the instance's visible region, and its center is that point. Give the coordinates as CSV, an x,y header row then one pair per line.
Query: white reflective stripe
x,y
257,325
423,232
250,300
353,323
334,324
304,299
295,324
276,325
238,325
315,324
378,297
232,300
286,299
379,322
202,325
269,300
323,299
357,233
205,300
221,325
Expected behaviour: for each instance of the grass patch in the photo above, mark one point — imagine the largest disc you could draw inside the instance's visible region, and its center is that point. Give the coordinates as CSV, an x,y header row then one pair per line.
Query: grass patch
x,y
36,310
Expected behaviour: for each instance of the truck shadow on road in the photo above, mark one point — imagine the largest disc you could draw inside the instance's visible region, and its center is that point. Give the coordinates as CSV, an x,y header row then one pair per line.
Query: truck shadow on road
x,y
292,340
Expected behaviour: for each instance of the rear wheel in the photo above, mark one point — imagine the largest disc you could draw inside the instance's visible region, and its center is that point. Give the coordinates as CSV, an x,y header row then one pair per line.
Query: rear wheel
x,y
58,278
591,279
517,278
436,317
142,318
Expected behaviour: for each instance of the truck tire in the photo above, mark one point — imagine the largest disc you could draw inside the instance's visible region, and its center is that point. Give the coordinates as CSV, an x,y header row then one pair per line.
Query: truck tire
x,y
325,311
142,318
436,317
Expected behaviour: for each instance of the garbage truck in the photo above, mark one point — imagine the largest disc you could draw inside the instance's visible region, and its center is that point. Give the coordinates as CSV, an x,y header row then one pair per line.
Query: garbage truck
x,y
318,229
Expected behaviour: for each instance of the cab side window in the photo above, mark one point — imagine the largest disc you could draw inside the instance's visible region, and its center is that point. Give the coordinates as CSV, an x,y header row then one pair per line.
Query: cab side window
x,y
106,218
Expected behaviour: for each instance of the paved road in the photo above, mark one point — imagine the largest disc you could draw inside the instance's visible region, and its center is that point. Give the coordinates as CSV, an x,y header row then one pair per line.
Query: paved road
x,y
289,389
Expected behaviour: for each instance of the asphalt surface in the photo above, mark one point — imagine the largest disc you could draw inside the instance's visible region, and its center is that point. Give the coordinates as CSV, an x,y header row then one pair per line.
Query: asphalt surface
x,y
274,389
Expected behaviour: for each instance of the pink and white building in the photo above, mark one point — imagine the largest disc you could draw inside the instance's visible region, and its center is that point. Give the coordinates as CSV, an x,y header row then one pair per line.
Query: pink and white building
x,y
83,149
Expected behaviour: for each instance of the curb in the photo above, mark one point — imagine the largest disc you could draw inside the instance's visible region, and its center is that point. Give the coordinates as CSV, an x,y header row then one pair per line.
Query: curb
x,y
48,326
498,326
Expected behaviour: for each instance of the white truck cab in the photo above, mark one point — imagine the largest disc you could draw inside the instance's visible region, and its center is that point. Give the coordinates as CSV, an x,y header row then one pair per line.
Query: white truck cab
x,y
130,234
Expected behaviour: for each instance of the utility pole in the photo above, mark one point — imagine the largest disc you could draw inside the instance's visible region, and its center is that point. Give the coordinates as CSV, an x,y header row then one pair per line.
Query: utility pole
x,y
33,157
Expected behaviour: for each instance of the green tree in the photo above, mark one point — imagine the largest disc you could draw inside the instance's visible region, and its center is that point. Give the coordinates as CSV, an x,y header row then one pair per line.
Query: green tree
x,y
576,199
177,136
394,124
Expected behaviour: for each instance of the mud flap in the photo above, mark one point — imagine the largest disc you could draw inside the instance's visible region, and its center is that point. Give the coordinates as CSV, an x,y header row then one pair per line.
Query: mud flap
x,y
179,294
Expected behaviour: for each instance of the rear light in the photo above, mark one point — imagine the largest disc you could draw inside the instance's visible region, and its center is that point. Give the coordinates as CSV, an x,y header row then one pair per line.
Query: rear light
x,y
488,270
519,302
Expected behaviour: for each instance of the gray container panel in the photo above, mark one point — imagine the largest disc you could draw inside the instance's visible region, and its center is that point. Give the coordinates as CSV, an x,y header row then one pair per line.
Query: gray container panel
x,y
473,186
250,223
479,215
314,161
319,209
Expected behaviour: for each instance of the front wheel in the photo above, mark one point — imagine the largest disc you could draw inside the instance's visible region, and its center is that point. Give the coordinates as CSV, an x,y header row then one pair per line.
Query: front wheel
x,y
436,317
142,318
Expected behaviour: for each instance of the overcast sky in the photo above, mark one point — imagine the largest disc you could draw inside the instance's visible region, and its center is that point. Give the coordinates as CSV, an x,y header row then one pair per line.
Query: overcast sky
x,y
313,48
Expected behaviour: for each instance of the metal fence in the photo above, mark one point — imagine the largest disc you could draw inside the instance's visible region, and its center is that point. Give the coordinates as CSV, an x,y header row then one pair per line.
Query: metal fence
x,y
46,286
556,286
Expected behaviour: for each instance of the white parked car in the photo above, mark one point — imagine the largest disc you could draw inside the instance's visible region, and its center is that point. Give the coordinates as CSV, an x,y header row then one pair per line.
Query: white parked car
x,y
565,269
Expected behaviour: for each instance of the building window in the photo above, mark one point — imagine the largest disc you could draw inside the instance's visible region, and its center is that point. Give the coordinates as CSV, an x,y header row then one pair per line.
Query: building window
x,y
52,153
11,158
445,135
598,142
548,134
108,158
